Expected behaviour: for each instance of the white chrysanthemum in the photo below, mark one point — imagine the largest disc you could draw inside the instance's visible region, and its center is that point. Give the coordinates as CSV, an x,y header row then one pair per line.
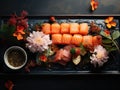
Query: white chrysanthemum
x,y
38,41
99,56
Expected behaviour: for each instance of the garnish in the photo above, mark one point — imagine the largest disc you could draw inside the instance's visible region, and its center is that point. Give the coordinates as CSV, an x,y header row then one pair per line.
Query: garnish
x,y
38,41
72,51
30,64
19,32
94,4
20,24
110,22
110,40
9,85
99,56
94,28
52,19
77,60
43,58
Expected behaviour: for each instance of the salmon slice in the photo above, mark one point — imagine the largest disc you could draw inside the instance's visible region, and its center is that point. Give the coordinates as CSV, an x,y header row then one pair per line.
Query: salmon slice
x,y
74,28
55,28
76,39
65,28
56,38
66,38
87,41
46,28
97,40
84,28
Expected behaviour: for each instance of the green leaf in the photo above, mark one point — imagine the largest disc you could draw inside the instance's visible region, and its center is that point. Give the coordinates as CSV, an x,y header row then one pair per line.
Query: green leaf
x,y
103,34
72,51
107,41
7,30
107,46
82,50
112,49
115,35
4,28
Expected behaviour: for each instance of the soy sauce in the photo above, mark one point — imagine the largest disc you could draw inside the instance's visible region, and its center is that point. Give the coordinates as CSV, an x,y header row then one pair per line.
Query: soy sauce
x,y
16,58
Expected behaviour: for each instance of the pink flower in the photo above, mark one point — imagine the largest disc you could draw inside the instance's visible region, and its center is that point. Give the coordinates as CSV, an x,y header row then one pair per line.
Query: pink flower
x,y
38,41
99,56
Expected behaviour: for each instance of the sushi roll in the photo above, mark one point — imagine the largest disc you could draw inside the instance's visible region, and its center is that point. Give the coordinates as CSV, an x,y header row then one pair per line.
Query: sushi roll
x,y
46,28
56,38
87,41
55,28
84,29
65,28
76,39
74,28
66,38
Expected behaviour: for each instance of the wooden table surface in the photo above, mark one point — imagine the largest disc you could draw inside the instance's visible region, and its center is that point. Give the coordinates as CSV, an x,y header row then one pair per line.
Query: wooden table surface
x,y
60,7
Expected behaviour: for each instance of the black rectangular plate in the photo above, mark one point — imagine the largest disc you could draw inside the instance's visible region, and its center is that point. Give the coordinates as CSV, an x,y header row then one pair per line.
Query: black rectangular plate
x,y
111,67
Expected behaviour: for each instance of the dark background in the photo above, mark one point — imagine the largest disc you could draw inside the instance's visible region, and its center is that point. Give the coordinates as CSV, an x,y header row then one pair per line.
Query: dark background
x,y
60,7
53,7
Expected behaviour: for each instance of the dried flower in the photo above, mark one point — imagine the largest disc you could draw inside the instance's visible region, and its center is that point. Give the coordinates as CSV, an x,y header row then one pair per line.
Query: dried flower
x,y
52,19
99,56
94,28
43,58
107,32
9,85
29,65
38,41
20,23
19,32
109,22
94,4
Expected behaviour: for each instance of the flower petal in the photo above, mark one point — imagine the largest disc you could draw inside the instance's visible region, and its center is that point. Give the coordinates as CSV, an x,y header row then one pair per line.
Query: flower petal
x,y
94,4
109,25
113,24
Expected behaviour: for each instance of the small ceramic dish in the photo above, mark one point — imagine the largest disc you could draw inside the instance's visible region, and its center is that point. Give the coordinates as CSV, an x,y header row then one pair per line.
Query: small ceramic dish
x,y
15,57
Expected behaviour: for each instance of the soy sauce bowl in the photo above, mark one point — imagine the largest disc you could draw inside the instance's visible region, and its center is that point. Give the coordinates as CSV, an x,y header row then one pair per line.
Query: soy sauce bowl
x,y
15,57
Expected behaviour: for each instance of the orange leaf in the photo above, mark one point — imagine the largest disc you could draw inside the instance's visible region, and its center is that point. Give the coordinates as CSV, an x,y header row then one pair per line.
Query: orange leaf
x,y
109,25
22,32
19,37
94,4
106,20
14,34
110,19
113,24
9,85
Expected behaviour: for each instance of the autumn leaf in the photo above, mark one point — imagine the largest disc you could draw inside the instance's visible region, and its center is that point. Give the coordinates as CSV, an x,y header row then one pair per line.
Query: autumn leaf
x,y
9,85
94,4
110,22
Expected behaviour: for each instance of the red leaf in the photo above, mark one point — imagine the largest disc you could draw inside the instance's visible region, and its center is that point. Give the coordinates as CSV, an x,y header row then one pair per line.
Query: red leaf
x,y
9,85
24,13
94,4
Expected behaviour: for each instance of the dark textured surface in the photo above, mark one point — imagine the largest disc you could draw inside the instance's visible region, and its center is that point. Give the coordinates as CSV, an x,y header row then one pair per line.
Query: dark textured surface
x,y
69,82
63,82
53,7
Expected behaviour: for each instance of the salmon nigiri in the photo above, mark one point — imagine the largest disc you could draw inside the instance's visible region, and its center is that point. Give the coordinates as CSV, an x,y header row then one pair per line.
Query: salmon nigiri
x,y
76,39
55,28
74,28
65,28
56,38
87,41
66,38
46,28
84,28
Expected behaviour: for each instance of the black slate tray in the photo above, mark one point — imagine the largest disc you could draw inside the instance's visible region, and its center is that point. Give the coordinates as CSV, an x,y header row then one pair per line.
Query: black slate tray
x,y
111,67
